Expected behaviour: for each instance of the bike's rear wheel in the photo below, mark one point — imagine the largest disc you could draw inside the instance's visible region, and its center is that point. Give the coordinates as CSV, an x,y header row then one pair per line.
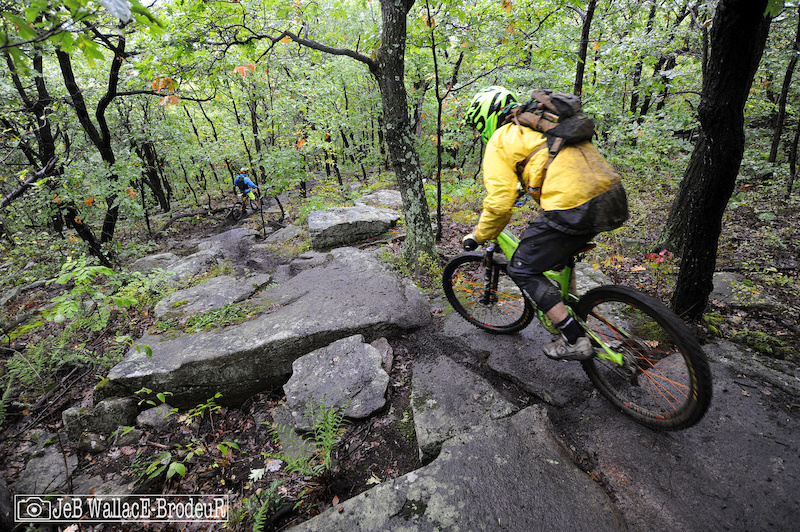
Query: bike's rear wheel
x,y
489,300
665,381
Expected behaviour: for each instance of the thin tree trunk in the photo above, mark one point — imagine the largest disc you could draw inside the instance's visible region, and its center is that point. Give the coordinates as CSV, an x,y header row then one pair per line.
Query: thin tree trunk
x,y
787,82
637,71
48,158
584,47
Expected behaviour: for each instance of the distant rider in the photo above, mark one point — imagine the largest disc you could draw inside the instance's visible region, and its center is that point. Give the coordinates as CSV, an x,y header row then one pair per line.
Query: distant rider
x,y
246,187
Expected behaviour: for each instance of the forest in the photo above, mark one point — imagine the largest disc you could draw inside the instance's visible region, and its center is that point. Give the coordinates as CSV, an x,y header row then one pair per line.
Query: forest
x,y
125,121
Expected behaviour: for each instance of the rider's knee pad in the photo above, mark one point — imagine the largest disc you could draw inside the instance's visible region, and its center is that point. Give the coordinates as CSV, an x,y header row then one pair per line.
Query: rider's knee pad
x,y
542,292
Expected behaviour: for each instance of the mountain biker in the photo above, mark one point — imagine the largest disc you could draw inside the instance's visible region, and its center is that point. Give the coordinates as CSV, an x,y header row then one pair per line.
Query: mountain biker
x,y
245,186
576,204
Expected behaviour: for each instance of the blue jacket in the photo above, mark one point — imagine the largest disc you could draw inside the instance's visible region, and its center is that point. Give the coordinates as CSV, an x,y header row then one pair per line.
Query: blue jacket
x,y
249,185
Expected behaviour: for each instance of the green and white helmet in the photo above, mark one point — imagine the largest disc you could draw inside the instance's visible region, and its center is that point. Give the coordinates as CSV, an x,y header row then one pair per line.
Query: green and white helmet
x,y
486,108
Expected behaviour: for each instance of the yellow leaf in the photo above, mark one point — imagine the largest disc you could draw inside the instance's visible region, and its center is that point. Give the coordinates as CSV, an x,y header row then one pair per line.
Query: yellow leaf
x,y
638,269
172,99
242,69
597,45
167,84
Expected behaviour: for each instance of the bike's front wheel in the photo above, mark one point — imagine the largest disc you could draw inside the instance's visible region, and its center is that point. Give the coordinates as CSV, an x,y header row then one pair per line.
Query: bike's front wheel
x,y
664,381
485,295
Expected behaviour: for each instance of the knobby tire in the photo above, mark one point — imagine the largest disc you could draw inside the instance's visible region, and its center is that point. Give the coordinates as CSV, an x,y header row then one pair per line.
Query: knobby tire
x,y
501,310
665,382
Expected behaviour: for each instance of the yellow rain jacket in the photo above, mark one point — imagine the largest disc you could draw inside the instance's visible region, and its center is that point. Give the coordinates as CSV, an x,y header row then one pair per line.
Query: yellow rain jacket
x,y
581,192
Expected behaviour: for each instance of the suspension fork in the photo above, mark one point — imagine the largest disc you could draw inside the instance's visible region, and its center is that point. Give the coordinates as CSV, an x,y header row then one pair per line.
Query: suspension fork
x,y
490,276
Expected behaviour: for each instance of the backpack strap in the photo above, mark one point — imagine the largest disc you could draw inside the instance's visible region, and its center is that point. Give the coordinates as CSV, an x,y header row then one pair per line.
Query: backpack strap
x,y
553,148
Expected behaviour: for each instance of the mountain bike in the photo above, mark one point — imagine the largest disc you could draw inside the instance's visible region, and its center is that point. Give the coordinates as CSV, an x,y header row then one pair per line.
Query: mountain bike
x,y
646,362
242,204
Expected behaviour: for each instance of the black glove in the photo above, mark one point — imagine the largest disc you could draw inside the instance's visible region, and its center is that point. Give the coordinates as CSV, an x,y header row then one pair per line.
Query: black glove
x,y
469,243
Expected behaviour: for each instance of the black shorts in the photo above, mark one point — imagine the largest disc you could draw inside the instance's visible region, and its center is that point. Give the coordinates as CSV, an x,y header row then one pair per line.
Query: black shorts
x,y
543,248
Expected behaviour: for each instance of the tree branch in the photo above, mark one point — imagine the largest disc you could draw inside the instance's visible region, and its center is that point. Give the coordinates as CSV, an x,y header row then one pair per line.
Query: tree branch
x,y
36,176
308,43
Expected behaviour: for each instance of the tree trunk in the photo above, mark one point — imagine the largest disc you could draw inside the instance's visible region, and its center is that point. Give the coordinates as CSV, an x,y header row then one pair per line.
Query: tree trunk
x,y
738,37
637,71
787,82
584,47
100,138
389,71
792,163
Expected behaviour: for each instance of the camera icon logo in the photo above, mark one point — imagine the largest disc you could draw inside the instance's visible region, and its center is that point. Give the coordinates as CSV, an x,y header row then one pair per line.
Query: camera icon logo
x,y
32,508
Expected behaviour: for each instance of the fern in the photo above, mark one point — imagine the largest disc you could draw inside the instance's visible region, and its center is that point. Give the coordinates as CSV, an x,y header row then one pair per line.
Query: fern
x,y
4,400
271,502
327,431
261,517
310,457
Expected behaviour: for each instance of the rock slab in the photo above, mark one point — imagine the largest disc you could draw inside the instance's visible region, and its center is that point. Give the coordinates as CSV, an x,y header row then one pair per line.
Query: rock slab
x,y
353,293
346,375
508,474
448,399
213,294
342,226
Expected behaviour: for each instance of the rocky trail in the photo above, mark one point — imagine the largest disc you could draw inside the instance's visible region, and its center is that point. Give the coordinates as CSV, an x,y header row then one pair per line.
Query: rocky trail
x,y
450,428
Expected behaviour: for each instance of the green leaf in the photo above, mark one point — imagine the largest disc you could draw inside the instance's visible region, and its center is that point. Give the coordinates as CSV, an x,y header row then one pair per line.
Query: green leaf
x,y
90,50
774,8
124,301
147,351
23,27
31,13
157,472
176,467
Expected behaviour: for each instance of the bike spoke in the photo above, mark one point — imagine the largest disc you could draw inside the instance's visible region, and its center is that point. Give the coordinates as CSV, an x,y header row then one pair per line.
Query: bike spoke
x,y
655,382
495,306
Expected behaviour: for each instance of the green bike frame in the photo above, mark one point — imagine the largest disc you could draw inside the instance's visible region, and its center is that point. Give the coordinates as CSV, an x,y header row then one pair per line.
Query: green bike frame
x,y
508,244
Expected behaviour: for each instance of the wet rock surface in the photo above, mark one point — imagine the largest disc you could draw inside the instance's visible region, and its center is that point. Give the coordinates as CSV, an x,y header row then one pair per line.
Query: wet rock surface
x,y
511,440
352,293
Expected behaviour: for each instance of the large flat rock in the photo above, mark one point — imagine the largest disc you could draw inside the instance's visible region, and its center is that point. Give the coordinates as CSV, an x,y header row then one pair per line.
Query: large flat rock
x,y
448,399
353,293
737,469
342,226
508,474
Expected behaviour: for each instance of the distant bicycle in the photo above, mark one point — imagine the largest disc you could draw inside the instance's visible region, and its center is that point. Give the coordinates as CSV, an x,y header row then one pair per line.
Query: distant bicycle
x,y
243,203
647,362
